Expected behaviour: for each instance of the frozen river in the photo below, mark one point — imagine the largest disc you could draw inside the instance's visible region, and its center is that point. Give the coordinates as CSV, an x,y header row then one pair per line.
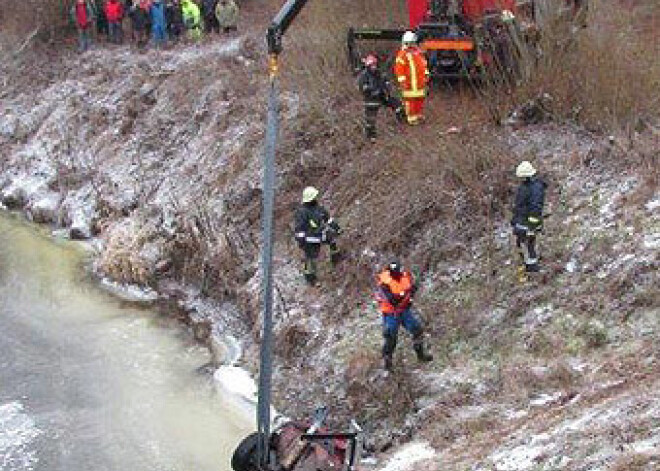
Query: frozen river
x,y
87,383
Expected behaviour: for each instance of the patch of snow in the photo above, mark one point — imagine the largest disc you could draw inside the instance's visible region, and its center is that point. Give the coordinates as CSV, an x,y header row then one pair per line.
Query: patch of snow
x,y
545,399
516,414
652,241
522,457
22,189
228,349
407,456
237,387
235,380
131,293
653,204
572,265
43,209
650,445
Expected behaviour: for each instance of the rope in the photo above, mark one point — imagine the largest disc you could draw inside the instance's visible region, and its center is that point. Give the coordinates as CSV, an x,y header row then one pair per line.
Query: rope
x,y
268,199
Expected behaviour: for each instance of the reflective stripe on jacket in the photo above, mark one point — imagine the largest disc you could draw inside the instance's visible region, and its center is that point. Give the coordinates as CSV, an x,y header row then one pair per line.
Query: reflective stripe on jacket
x,y
310,219
411,71
390,289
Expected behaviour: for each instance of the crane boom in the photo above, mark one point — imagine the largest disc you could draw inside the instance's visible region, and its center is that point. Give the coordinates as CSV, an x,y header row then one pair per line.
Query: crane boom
x,y
281,23
276,30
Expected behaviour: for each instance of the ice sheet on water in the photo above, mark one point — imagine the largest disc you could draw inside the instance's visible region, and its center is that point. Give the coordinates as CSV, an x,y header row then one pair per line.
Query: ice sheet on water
x,y
17,431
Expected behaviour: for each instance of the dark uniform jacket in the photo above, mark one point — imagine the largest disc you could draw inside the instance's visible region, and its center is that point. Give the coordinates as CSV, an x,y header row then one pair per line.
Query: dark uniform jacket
x,y
373,85
310,220
530,199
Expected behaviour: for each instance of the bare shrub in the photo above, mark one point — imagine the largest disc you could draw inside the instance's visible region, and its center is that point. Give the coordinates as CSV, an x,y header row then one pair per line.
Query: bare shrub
x,y
49,17
604,76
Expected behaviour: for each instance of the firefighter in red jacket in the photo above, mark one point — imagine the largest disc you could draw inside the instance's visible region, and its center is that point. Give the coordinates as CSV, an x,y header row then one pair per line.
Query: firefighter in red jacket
x,y
394,292
412,74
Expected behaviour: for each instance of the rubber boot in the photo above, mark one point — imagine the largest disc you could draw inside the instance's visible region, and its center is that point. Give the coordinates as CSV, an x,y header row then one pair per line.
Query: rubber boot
x,y
388,348
521,273
532,267
400,114
310,278
335,254
422,356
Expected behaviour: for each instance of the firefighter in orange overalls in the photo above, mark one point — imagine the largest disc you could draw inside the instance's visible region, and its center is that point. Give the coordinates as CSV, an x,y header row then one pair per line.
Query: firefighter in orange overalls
x,y
412,74
394,292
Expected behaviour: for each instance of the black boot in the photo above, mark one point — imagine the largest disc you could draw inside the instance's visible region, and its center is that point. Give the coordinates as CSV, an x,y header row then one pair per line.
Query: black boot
x,y
310,278
387,359
335,254
532,267
400,114
422,356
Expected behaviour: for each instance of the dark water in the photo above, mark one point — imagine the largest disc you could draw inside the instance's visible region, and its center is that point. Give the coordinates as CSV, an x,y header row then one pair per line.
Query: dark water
x,y
86,384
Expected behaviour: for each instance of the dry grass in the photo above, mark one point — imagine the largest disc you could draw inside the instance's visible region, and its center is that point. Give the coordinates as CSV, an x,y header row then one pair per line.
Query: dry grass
x,y
49,17
606,76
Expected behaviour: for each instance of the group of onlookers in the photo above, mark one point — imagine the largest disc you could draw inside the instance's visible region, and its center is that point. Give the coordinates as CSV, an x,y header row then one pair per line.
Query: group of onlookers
x,y
157,20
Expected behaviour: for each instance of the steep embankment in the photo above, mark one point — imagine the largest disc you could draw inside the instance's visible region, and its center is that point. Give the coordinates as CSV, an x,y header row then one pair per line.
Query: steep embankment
x,y
158,156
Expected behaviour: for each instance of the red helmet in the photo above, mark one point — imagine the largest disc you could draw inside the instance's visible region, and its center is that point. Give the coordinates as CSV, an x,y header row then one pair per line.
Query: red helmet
x,y
370,60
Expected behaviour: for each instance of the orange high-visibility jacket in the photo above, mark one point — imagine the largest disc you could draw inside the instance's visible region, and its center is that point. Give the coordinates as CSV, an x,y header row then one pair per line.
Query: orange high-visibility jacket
x,y
401,289
412,72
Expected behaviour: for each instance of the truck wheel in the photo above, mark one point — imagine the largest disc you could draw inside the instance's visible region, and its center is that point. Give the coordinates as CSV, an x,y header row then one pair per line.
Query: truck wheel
x,y
245,455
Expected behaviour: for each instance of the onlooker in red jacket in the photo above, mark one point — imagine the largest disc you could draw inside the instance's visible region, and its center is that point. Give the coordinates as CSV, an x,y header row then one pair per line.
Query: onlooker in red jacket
x,y
83,15
114,12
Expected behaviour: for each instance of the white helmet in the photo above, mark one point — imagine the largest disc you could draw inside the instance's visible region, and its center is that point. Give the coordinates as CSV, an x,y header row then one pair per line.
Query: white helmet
x,y
409,38
309,194
525,170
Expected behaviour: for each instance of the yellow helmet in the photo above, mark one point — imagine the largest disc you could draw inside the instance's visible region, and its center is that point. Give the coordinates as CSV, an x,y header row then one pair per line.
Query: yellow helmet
x,y
309,194
525,170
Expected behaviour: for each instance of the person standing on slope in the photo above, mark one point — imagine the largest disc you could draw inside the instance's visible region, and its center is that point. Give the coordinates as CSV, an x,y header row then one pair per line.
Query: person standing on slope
x,y
226,12
158,23
376,93
527,221
395,288
191,19
412,74
114,12
313,227
83,13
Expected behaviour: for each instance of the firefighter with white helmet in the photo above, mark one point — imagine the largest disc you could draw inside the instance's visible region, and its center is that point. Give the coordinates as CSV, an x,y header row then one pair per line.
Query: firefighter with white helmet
x,y
527,221
412,74
375,90
314,227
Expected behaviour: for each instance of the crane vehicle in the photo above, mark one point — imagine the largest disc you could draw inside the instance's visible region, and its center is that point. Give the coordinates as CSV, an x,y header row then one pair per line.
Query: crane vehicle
x,y
461,38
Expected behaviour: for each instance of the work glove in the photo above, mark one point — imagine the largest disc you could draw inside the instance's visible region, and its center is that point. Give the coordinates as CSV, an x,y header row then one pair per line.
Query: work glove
x,y
396,299
334,225
520,230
